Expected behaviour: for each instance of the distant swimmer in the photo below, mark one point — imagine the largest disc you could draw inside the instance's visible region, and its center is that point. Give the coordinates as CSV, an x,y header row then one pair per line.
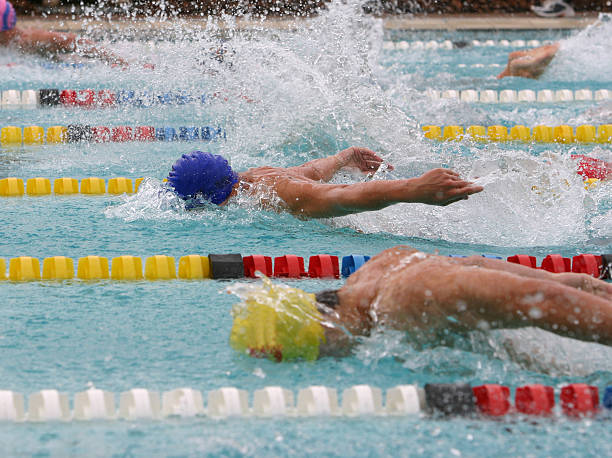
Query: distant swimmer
x,y
47,43
424,295
530,63
304,190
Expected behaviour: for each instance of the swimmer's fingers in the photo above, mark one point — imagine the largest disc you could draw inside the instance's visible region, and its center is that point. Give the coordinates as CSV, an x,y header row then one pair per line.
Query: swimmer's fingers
x,y
458,193
451,173
461,192
374,165
461,196
504,73
364,159
368,155
374,161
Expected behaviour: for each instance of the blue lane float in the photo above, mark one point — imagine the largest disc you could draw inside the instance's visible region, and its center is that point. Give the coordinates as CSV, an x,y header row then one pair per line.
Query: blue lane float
x,y
351,263
607,398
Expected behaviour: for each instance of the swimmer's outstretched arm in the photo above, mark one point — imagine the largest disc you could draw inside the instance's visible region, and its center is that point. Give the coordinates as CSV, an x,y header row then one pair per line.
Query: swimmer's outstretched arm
x,y
40,41
363,159
582,282
436,187
530,63
505,300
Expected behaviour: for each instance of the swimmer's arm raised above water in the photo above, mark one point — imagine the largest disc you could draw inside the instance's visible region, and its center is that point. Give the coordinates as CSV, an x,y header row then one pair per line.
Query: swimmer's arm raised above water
x,y
530,63
436,187
363,159
45,41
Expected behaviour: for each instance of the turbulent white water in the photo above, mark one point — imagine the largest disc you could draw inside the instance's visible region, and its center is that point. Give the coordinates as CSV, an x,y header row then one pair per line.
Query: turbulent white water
x,y
290,96
586,56
318,89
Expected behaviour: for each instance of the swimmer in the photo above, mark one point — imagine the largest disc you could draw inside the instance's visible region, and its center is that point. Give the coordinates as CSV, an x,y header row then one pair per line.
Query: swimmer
x,y
423,294
530,63
304,191
40,41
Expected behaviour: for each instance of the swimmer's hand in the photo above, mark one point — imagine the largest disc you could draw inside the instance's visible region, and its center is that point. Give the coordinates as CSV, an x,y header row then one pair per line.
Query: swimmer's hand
x,y
363,159
443,187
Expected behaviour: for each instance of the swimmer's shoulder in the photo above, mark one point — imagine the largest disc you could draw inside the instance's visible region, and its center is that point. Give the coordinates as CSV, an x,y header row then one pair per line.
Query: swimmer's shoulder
x,y
397,251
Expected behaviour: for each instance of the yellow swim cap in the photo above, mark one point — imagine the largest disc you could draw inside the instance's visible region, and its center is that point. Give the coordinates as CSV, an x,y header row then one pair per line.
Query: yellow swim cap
x,y
277,322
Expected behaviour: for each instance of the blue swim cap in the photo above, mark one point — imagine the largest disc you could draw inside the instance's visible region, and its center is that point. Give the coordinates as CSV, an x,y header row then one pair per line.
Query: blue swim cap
x,y
204,175
8,17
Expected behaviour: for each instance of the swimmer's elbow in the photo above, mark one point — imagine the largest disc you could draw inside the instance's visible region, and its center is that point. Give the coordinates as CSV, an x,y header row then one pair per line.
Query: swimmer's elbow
x,y
322,202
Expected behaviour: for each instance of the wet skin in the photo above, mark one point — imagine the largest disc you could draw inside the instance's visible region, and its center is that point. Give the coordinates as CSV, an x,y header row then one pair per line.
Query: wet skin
x,y
404,289
304,190
530,63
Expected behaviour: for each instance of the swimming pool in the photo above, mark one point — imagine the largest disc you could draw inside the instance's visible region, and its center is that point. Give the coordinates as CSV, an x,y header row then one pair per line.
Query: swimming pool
x,y
285,99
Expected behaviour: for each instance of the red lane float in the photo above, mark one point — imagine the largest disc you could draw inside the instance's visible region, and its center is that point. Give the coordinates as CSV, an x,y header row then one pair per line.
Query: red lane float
x,y
534,399
122,134
587,264
289,266
101,134
524,260
556,263
579,399
144,133
68,97
85,98
256,263
492,399
105,98
323,266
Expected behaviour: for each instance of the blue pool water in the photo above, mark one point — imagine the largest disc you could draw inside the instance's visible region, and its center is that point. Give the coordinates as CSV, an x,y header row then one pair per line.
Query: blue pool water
x,y
311,93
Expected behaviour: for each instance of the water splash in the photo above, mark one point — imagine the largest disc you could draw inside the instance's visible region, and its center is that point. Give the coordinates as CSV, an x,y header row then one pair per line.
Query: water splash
x,y
286,97
586,55
509,356
153,201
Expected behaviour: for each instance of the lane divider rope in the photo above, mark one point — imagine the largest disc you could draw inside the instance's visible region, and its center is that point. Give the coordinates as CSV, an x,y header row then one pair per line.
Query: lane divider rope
x,y
577,400
521,96
101,98
234,265
14,136
448,44
547,134
89,98
40,186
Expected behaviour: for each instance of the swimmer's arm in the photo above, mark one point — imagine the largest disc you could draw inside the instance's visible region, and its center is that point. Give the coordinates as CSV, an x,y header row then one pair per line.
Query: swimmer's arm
x,y
39,40
582,282
530,63
436,187
363,159
44,41
505,300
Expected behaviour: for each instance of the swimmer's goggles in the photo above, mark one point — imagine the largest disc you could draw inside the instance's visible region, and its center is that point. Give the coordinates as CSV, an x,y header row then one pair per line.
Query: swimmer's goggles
x,y
277,322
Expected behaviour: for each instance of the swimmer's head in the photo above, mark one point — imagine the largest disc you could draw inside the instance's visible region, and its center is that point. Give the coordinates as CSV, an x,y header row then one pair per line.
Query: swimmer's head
x,y
277,322
204,175
8,17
